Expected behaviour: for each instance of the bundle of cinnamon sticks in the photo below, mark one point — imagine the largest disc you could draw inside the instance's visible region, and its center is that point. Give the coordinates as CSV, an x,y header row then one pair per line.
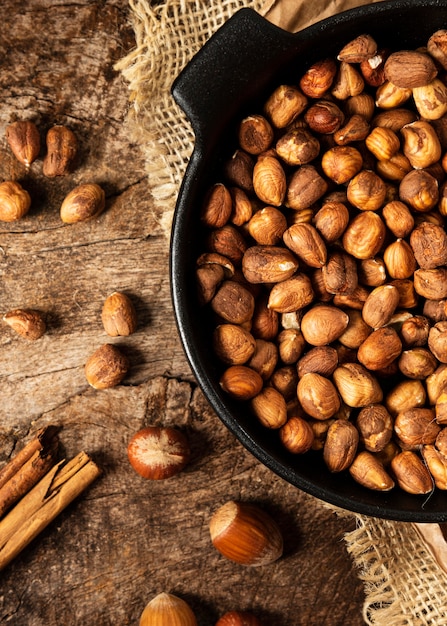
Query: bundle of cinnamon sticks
x,y
35,487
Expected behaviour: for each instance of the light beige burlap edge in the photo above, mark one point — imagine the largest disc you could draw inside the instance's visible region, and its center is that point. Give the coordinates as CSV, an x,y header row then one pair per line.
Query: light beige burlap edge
x,y
403,583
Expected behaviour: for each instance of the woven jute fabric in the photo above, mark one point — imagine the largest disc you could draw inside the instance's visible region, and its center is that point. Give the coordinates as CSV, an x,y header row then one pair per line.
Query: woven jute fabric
x,y
403,582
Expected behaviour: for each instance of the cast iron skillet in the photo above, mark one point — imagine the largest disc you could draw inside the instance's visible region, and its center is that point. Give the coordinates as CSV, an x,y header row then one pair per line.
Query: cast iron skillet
x,y
230,77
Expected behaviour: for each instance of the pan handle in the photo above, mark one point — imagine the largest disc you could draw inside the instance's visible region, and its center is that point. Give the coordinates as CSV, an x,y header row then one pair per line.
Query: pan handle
x,y
212,82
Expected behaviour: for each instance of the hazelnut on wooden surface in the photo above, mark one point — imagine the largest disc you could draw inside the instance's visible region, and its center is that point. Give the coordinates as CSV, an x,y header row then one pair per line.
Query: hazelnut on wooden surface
x,y
165,609
238,618
158,452
106,367
118,315
246,534
62,148
28,323
15,201
24,140
84,202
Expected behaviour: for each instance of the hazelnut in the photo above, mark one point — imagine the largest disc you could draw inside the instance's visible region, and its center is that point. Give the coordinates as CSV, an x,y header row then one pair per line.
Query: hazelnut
x,y
340,446
238,618
233,344
407,394
355,129
324,117
431,283
380,305
241,382
84,202
297,435
410,68
228,242
399,259
341,163
395,119
267,226
318,78
270,408
373,69
356,385
290,345
416,426
239,170
242,209
331,220
437,465
383,143
255,134
217,206
380,349
375,426
367,470
411,473
269,180
362,104
106,367
431,100
305,187
348,82
323,324
208,279
318,396
61,151
118,315
297,147
15,201
414,331
166,609
421,145
437,341
429,244
158,452
268,264
372,272
417,363
24,140
356,331
359,49
233,302
366,191
340,273
26,322
284,105
390,96
265,321
398,218
364,235
437,47
319,360
264,358
285,380
246,534
292,294
305,241
394,169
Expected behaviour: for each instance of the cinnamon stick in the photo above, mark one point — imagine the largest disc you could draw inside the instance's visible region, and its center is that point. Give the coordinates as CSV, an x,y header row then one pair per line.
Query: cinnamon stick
x,y
60,486
28,466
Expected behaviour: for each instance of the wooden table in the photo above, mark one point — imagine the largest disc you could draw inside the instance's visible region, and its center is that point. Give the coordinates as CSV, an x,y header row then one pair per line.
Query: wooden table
x,y
125,539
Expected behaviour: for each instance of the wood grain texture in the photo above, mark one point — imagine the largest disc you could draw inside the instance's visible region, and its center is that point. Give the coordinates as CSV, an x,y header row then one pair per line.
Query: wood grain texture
x,y
125,539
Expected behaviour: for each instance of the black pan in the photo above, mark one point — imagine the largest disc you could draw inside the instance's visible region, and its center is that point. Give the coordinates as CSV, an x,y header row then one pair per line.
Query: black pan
x,y
229,78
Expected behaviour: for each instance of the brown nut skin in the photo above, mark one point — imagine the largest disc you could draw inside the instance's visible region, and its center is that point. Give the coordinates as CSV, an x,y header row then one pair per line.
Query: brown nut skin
x,y
269,406
297,435
305,241
429,244
380,349
318,78
375,426
217,206
106,367
28,323
380,305
411,473
341,445
118,315
367,470
246,534
268,264
158,452
24,140
410,68
15,201
284,105
233,344
238,618
318,396
416,427
255,134
84,202
233,302
356,385
61,151
269,180
323,324
241,382
364,235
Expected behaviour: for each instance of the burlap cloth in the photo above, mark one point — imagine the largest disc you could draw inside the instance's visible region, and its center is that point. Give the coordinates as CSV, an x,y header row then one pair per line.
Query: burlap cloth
x,y
402,565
